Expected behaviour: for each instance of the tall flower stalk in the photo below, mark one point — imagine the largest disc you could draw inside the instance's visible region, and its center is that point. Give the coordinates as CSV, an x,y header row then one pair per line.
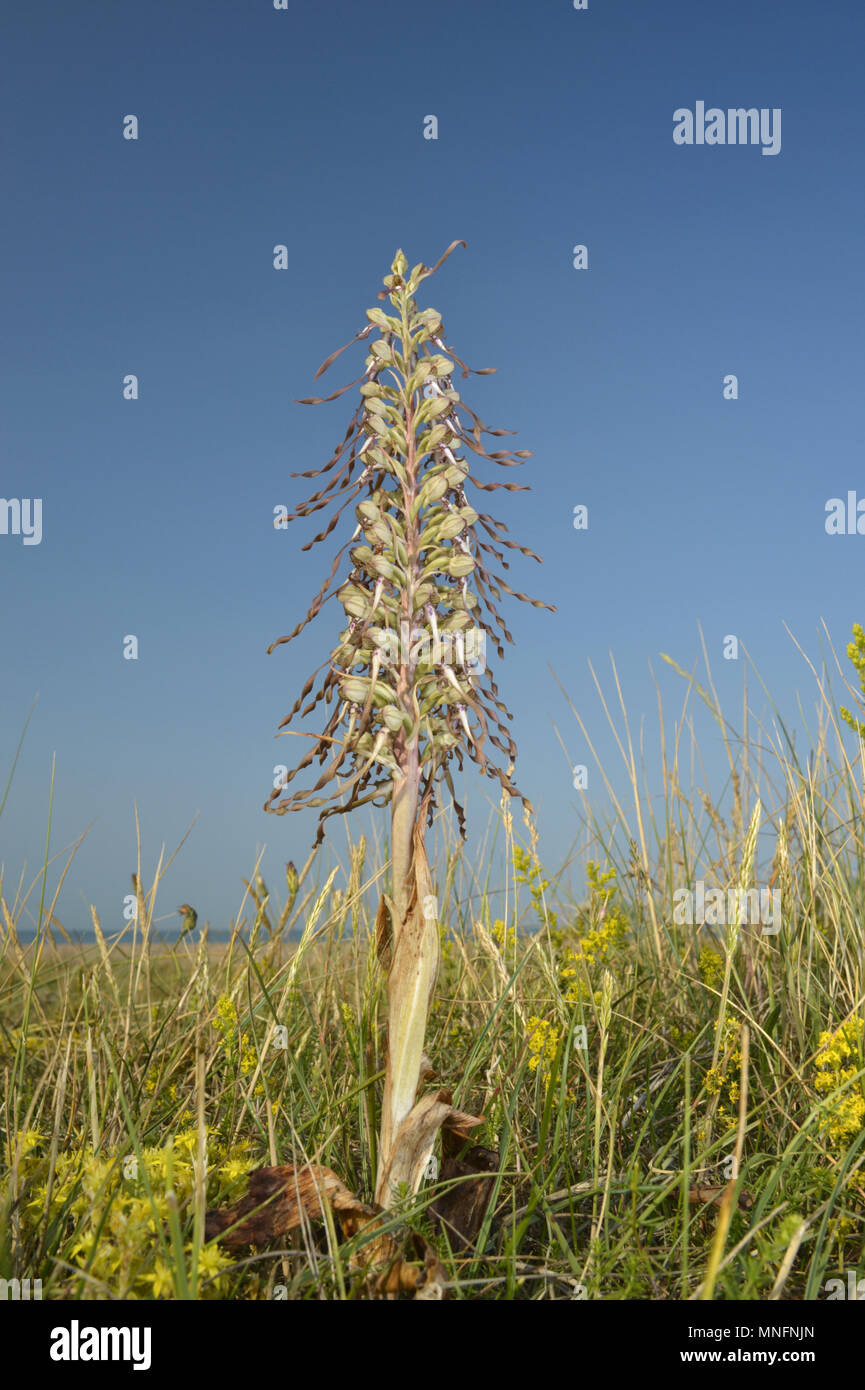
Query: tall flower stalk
x,y
407,683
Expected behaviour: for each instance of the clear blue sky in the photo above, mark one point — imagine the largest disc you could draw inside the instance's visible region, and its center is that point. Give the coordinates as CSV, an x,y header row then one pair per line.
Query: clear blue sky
x,y
305,127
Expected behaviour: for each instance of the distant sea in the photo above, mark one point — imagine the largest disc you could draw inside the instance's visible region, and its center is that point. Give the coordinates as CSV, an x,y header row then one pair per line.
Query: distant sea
x,y
88,938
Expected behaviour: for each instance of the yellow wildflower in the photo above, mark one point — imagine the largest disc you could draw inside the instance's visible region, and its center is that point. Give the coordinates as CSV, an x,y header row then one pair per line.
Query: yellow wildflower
x,y
161,1280
543,1041
838,1060
505,937
711,967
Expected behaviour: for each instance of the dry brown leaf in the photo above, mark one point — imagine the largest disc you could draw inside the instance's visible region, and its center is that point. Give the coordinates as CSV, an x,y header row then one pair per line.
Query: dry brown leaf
x,y
279,1198
460,1210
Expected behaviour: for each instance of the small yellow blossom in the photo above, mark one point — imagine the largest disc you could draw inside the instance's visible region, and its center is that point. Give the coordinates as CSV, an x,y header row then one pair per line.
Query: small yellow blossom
x,y
543,1041
25,1141
161,1280
838,1060
235,1168
505,937
711,967
226,1014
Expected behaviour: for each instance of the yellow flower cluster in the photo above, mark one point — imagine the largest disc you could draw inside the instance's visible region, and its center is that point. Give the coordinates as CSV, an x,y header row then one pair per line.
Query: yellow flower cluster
x,y
226,1022
612,925
727,1074
605,928
838,1060
151,1086
575,989
118,1231
543,1041
26,1140
711,967
531,874
601,940
226,1013
505,937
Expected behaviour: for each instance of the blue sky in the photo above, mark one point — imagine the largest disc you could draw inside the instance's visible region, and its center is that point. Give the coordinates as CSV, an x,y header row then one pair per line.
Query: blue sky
x,y
304,127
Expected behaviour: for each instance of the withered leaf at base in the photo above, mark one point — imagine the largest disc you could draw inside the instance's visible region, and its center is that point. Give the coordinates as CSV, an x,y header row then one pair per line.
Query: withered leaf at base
x,y
279,1198
276,1202
460,1211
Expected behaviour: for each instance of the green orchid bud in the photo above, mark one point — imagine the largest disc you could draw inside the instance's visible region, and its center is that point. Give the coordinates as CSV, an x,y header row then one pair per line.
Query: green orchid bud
x,y
355,601
455,622
442,366
394,718
431,322
354,689
467,600
437,559
423,594
382,567
451,526
461,566
377,532
433,489
433,438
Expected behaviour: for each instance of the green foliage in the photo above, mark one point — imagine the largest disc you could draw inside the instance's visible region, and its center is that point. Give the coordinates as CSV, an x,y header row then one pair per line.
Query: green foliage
x,y
569,1135
611,1094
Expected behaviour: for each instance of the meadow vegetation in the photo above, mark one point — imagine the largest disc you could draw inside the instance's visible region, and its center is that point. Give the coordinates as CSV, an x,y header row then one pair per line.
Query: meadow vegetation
x,y
677,1111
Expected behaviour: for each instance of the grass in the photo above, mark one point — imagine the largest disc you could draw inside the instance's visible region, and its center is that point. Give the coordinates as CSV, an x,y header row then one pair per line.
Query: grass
x,y
678,1111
